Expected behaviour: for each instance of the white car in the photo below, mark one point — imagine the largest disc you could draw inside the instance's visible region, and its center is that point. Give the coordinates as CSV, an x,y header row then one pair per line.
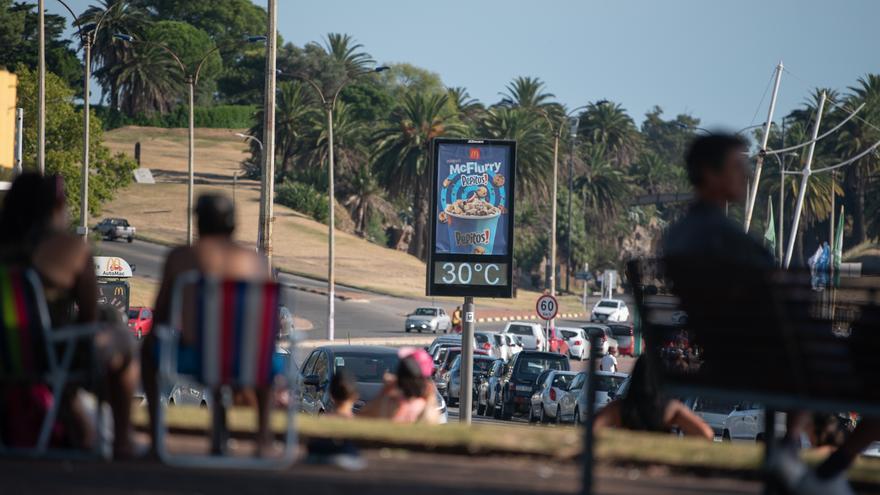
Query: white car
x,y
746,422
713,411
531,335
428,320
573,405
507,345
609,310
551,386
578,343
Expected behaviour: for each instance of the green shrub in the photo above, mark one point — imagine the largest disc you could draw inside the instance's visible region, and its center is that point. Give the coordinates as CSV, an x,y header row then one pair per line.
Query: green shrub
x,y
304,199
218,117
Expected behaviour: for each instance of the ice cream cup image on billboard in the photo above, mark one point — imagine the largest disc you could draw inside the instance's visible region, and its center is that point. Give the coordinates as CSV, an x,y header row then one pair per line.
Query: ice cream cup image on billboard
x,y
472,225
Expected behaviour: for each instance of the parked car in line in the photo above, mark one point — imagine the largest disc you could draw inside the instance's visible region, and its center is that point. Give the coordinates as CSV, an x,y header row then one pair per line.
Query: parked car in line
x,y
679,318
489,388
713,411
556,343
485,341
592,329
607,310
551,386
520,378
573,405
367,365
428,320
508,345
623,334
578,344
482,366
746,422
531,335
140,321
189,394
441,373
115,228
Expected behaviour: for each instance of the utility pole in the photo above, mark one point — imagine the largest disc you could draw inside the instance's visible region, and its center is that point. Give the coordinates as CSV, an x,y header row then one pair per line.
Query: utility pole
x,y
19,136
759,162
574,127
553,213
41,86
267,186
804,180
84,188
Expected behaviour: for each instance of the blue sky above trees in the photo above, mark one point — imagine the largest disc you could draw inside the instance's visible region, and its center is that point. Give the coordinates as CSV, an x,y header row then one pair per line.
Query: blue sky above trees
x,y
710,58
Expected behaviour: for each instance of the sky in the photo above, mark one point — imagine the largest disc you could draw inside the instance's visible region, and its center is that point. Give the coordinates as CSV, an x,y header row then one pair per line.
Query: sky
x,y
708,58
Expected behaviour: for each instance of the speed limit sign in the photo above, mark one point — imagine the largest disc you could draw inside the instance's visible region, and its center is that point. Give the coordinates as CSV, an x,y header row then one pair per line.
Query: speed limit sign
x,y
547,307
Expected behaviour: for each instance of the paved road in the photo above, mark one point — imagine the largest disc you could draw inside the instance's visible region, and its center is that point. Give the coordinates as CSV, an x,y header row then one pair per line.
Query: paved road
x,y
372,316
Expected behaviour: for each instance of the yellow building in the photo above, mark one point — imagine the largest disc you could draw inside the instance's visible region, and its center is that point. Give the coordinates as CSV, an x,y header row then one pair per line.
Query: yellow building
x,y
8,83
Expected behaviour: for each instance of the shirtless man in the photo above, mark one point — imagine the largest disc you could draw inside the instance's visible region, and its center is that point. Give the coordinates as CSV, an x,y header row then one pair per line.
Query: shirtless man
x,y
215,253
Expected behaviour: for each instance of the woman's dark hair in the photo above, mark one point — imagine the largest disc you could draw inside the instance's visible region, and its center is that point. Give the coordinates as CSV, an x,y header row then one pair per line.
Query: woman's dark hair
x,y
342,386
709,153
28,208
410,379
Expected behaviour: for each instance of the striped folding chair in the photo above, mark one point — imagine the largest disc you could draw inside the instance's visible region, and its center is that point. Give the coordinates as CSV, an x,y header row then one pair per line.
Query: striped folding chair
x,y
29,355
236,324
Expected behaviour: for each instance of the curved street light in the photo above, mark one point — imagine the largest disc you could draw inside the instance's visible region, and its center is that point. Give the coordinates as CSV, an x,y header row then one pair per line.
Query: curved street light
x,y
329,105
191,78
87,36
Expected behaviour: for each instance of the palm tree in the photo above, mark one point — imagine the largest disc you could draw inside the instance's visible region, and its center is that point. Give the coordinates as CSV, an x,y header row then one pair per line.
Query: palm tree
x,y
147,81
608,124
343,49
347,138
603,187
109,53
534,154
295,109
526,92
469,110
857,135
402,151
364,196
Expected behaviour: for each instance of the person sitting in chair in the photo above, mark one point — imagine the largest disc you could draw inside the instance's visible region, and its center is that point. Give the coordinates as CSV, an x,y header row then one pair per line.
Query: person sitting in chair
x,y
215,254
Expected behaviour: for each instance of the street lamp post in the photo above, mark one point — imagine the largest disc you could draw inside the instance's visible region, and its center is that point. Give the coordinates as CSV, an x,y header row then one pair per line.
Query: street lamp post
x,y
329,105
41,86
574,128
192,78
87,35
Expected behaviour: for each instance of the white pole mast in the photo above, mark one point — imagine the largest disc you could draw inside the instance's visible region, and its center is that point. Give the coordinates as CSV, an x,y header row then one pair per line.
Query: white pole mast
x,y
799,206
759,163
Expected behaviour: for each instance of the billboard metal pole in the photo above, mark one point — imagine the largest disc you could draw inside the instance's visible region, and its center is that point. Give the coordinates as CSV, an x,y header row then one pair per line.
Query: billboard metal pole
x,y
466,389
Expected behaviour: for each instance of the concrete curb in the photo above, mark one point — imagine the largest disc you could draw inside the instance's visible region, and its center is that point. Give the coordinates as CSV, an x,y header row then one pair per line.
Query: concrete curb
x,y
494,319
415,341
323,292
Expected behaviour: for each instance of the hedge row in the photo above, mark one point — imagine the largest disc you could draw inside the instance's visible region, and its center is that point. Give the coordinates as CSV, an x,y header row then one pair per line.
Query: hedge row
x,y
218,116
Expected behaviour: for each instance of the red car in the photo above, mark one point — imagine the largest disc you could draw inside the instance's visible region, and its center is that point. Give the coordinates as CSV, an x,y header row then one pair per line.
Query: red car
x,y
140,320
623,334
558,343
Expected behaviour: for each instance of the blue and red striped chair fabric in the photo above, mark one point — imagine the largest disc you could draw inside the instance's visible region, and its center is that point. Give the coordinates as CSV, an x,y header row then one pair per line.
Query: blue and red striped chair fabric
x,y
22,346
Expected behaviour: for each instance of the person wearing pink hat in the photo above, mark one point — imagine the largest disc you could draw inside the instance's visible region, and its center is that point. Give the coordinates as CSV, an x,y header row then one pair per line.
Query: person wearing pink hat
x,y
408,395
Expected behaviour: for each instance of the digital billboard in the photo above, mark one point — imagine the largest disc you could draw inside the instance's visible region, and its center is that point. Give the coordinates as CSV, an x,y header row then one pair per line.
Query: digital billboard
x,y
472,224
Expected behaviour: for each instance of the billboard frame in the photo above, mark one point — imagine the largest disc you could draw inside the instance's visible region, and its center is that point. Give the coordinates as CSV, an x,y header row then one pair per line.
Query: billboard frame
x,y
431,287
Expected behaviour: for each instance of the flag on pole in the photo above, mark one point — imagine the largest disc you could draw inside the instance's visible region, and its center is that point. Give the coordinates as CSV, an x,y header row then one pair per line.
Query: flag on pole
x,y
837,249
770,233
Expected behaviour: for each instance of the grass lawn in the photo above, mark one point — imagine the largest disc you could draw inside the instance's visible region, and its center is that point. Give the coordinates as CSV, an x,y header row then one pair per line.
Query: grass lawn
x,y
300,243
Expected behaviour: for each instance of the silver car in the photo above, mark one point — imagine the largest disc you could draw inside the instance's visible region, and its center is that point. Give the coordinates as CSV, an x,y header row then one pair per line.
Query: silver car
x,y
573,405
551,386
489,389
428,320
